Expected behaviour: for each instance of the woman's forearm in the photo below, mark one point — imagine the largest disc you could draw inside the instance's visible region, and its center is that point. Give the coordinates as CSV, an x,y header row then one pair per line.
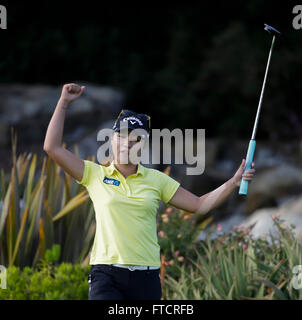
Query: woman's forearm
x,y
215,198
54,133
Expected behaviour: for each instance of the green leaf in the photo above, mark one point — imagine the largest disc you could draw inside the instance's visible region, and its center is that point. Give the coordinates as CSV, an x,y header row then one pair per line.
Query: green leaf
x,y
269,284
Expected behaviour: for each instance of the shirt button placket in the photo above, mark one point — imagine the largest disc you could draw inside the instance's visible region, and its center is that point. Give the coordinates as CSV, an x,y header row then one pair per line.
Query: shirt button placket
x,y
128,189
124,184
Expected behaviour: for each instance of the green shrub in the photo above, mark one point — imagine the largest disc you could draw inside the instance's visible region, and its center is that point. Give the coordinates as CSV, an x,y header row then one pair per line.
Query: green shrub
x,y
48,282
235,265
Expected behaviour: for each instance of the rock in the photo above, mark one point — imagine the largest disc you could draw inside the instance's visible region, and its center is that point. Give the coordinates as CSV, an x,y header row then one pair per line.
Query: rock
x,y
271,185
89,145
105,97
211,152
290,211
19,102
80,106
265,156
28,108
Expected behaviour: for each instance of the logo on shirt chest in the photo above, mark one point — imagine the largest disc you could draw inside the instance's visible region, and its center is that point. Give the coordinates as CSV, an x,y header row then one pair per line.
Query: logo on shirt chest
x,y
111,181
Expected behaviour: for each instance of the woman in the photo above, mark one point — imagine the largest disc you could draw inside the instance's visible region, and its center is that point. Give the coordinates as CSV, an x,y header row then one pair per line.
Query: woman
x,y
125,257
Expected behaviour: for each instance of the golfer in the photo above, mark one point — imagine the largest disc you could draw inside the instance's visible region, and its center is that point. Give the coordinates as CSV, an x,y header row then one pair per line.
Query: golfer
x,y
125,257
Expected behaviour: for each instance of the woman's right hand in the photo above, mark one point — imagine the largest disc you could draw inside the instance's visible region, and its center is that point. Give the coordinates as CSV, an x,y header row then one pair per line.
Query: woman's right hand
x,y
71,92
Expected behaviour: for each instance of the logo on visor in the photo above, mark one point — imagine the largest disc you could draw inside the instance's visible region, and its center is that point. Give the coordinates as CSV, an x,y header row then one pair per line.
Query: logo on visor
x,y
111,181
133,120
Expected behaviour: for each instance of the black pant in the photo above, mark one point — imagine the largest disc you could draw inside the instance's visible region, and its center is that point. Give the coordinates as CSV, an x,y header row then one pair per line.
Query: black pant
x,y
108,282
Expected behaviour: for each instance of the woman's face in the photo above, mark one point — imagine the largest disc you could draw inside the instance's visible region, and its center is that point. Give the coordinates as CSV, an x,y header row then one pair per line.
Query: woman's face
x,y
122,144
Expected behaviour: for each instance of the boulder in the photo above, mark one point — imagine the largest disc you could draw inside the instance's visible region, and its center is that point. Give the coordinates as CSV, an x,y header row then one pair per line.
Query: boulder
x,y
273,184
290,211
28,109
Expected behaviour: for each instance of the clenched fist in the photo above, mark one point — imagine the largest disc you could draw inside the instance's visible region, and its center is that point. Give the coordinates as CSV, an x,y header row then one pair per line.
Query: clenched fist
x,y
71,92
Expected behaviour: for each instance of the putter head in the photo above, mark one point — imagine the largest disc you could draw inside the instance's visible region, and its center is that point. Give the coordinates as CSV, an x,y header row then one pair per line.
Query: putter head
x,y
271,30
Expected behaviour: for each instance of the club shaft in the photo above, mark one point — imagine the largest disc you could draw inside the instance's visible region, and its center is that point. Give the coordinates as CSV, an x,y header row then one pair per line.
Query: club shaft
x,y
262,91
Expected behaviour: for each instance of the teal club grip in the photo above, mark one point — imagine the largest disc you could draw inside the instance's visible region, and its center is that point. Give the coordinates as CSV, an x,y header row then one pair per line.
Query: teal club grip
x,y
248,164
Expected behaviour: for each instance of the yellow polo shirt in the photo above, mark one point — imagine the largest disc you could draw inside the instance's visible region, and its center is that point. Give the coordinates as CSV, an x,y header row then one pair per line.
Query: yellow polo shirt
x,y
125,211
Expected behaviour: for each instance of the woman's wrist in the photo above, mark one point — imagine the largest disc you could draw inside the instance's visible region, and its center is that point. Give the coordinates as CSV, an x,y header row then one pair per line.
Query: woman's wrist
x,y
233,183
63,103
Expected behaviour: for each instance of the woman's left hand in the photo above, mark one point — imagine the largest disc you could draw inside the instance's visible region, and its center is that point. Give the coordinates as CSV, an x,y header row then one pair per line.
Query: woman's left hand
x,y
248,175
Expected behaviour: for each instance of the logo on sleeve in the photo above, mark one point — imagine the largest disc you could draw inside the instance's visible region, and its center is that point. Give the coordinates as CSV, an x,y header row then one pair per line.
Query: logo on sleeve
x,y
111,181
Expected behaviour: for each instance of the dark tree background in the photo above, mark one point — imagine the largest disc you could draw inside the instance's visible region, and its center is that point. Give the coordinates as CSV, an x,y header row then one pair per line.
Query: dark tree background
x,y
187,65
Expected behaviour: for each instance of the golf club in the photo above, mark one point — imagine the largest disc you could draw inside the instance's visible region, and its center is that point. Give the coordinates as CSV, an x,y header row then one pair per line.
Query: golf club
x,y
252,145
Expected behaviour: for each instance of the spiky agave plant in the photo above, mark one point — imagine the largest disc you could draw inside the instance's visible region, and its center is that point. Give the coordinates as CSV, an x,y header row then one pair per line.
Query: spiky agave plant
x,y
42,207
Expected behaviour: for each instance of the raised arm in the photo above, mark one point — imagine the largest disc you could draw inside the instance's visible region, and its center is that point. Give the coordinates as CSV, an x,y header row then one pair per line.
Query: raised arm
x,y
70,163
185,200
